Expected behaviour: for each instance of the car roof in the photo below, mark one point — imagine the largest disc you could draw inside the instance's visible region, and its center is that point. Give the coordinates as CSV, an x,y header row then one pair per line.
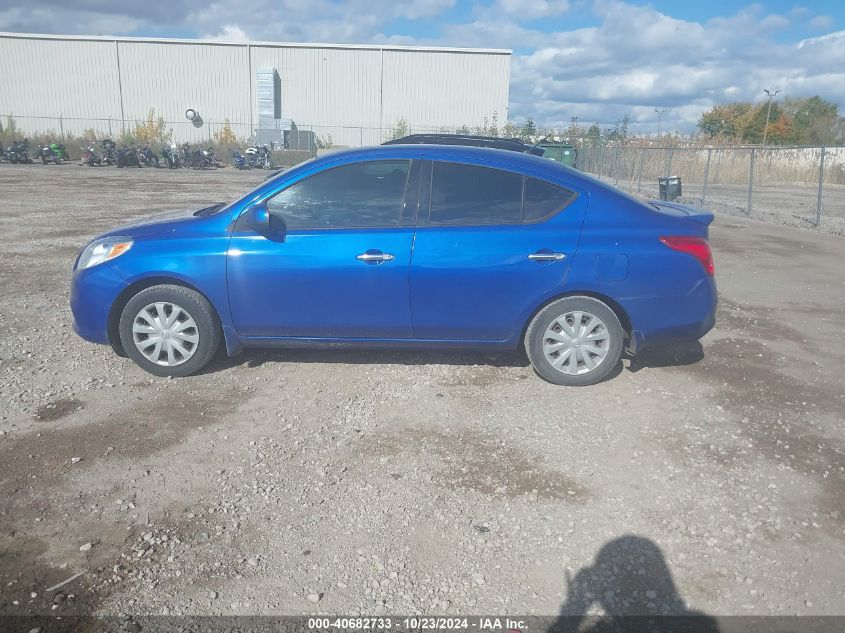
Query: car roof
x,y
463,153
496,142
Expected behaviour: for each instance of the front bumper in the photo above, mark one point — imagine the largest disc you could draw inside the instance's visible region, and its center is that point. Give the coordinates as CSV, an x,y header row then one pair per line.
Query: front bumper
x,y
92,293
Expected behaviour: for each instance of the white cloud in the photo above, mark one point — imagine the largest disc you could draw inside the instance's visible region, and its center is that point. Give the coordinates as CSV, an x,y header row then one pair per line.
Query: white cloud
x,y
228,33
415,9
533,9
821,22
634,59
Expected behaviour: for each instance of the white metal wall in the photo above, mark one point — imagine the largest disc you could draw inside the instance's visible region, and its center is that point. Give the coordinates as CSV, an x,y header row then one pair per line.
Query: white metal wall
x,y
449,89
352,93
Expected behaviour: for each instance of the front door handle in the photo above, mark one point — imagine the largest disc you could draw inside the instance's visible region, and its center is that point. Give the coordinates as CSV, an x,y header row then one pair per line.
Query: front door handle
x,y
375,256
546,256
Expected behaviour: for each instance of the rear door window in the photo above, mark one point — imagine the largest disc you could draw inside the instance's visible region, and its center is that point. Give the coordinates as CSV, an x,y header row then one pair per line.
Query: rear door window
x,y
471,195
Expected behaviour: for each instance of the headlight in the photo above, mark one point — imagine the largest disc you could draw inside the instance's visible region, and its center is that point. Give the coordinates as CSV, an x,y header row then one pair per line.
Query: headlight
x,y
103,250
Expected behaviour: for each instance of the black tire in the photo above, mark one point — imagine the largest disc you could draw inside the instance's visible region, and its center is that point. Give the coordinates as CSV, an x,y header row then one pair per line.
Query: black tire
x,y
195,305
547,316
43,159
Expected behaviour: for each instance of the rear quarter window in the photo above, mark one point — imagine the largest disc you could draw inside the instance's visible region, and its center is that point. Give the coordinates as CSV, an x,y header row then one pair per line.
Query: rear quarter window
x,y
543,199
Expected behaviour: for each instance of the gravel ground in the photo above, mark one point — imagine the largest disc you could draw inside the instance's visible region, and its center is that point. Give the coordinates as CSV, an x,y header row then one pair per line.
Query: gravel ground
x,y
399,482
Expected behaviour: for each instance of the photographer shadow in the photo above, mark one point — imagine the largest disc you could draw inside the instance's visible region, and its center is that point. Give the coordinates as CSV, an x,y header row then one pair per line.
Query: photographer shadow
x,y
632,585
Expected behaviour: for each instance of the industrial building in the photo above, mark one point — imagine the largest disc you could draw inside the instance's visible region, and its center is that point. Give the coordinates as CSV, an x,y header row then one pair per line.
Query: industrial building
x,y
354,94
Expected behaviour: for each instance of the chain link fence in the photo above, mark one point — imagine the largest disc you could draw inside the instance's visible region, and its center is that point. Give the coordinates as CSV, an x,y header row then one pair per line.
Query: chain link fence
x,y
801,185
305,136
795,185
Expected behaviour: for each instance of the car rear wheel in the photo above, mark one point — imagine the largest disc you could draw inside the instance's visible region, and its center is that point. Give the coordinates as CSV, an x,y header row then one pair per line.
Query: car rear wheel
x,y
575,341
169,330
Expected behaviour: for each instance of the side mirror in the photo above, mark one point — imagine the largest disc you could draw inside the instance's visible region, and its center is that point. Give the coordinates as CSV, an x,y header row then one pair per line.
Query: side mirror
x,y
257,218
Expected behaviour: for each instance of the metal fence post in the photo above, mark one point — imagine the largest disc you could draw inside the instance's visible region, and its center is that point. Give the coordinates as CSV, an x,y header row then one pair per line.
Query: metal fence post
x,y
751,179
821,188
706,176
669,166
640,174
617,160
62,128
361,136
110,132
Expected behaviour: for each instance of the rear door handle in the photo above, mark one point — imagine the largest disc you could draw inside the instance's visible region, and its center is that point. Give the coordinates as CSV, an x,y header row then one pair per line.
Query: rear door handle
x,y
375,256
546,256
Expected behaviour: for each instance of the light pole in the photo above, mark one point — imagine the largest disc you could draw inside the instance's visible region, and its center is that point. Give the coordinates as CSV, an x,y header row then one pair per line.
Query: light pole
x,y
660,114
768,112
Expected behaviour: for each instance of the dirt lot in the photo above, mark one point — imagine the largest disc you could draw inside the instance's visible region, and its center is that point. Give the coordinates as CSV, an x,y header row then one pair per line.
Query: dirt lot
x,y
372,482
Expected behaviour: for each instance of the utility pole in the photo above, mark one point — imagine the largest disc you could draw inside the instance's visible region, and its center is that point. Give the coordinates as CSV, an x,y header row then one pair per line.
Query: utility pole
x,y
660,114
768,112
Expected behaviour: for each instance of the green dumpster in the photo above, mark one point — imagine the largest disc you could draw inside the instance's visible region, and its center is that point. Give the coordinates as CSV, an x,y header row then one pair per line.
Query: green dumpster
x,y
562,153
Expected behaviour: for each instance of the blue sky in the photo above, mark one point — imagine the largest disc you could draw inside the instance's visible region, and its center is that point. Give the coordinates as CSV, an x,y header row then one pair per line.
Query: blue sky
x,y
597,60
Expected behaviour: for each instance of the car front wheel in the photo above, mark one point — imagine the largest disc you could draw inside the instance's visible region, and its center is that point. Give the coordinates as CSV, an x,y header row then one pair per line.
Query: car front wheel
x,y
169,330
575,341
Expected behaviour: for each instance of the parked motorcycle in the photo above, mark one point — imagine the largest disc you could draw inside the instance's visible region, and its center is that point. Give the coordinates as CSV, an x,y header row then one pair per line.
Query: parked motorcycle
x,y
147,157
109,151
239,160
210,154
128,157
198,158
171,157
52,153
90,157
259,157
19,153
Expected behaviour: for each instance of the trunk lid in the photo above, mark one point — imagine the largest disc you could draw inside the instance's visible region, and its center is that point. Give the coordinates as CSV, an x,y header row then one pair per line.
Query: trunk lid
x,y
683,211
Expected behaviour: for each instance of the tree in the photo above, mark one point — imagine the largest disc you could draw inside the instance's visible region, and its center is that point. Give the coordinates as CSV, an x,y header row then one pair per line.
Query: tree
x,y
225,136
511,130
400,129
152,131
529,130
721,121
620,130
811,121
594,136
814,119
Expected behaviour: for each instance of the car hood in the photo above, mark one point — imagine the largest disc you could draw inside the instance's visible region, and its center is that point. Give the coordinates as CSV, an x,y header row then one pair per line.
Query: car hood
x,y
159,223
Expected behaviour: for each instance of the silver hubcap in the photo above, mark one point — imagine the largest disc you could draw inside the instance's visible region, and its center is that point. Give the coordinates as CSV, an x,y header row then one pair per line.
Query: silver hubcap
x,y
576,343
165,334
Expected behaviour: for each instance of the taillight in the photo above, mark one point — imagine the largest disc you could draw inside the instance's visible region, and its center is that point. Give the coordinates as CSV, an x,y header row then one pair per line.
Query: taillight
x,y
695,246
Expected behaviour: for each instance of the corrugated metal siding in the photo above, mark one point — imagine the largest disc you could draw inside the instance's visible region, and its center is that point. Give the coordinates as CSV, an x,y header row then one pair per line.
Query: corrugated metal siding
x,y
444,89
322,86
173,77
53,77
350,93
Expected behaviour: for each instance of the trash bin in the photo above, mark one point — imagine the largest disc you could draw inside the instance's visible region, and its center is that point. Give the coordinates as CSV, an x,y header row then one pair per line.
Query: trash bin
x,y
670,187
563,153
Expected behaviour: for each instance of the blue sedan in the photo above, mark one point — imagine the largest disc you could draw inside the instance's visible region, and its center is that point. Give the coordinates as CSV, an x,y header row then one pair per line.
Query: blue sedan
x,y
415,246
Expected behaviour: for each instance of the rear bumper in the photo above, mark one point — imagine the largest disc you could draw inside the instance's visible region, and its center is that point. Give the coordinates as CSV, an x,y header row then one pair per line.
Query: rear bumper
x,y
664,320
